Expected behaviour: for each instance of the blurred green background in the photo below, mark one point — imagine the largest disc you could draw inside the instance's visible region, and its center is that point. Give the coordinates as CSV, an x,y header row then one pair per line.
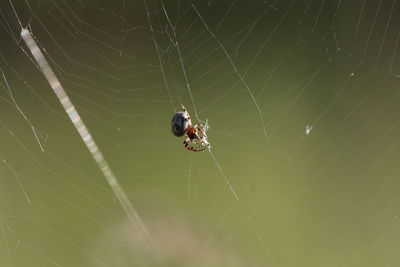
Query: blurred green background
x,y
330,198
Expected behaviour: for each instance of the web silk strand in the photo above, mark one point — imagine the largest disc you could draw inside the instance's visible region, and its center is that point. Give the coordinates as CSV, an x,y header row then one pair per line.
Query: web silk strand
x,y
85,135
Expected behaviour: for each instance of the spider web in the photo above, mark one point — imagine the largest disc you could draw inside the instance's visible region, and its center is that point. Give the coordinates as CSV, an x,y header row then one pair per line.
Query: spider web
x,y
302,101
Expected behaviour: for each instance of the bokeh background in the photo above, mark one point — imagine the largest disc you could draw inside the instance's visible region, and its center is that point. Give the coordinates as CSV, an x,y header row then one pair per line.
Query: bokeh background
x,y
330,198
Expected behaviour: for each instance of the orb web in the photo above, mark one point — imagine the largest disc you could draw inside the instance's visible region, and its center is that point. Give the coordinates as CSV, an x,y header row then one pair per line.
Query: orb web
x,y
301,98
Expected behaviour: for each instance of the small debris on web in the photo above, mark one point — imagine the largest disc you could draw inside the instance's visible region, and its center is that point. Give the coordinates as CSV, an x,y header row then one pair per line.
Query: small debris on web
x,y
308,129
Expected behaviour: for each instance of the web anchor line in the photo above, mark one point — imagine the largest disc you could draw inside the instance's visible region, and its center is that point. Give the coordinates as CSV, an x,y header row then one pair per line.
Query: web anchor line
x,y
87,138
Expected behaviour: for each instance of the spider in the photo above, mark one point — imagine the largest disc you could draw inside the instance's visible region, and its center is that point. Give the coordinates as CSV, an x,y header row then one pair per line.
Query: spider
x,y
196,138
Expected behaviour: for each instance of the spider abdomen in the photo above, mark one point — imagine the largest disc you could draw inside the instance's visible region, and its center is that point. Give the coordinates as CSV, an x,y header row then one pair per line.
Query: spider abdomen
x,y
180,122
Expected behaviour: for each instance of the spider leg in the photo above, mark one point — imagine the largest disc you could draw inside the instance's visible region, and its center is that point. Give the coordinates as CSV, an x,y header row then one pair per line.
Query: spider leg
x,y
203,140
191,148
199,127
202,132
